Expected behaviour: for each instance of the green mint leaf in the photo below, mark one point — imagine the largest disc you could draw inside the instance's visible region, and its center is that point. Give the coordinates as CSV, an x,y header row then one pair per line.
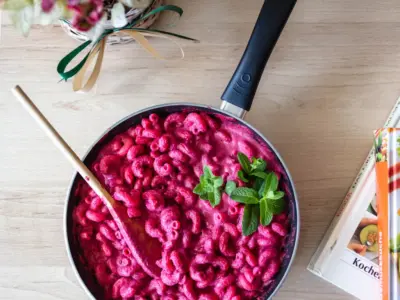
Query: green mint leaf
x,y
257,183
204,196
207,172
217,198
241,176
275,195
274,182
206,186
265,213
211,198
230,187
258,165
218,182
245,195
262,192
276,206
198,190
251,218
261,175
209,188
203,180
270,184
244,162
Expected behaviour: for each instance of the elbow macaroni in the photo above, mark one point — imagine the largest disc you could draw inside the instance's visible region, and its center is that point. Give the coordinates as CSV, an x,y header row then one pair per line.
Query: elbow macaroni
x,y
152,169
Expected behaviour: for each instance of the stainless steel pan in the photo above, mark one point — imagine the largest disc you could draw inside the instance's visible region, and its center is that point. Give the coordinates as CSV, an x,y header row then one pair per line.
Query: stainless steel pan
x,y
237,100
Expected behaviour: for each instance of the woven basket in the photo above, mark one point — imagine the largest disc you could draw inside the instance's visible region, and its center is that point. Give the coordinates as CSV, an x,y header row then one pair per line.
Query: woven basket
x,y
131,16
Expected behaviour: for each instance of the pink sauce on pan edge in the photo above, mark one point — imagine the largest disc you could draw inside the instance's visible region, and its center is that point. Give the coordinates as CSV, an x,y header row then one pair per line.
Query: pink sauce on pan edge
x,y
152,169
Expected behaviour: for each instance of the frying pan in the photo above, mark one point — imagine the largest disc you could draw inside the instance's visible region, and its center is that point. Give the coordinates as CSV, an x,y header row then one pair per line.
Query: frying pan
x,y
236,101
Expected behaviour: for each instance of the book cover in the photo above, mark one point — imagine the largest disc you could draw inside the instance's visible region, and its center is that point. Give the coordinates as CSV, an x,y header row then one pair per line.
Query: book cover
x,y
387,149
348,253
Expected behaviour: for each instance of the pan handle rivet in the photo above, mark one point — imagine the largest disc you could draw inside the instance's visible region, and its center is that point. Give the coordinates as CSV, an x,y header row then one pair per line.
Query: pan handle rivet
x,y
246,77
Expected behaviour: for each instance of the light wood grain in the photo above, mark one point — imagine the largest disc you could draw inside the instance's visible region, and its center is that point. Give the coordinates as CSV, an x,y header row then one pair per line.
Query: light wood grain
x,y
333,78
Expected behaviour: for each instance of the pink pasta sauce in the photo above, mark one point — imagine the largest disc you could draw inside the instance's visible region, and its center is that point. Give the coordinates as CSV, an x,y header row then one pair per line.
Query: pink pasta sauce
x,y
152,169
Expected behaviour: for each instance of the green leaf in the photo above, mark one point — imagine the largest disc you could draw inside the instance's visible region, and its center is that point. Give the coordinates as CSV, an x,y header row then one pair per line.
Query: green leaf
x,y
203,181
207,172
244,162
250,220
204,196
276,206
164,32
275,195
265,214
159,9
257,184
241,176
209,188
245,195
211,198
230,187
270,184
218,182
217,198
274,182
262,175
198,190
258,165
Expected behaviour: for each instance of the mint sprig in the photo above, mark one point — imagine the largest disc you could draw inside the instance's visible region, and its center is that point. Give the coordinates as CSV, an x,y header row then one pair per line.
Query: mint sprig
x,y
210,187
266,215
251,217
244,162
262,200
258,165
242,177
245,195
263,203
230,187
255,168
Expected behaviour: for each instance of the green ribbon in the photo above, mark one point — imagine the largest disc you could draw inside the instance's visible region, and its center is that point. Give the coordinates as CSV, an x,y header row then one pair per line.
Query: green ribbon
x,y
62,65
64,62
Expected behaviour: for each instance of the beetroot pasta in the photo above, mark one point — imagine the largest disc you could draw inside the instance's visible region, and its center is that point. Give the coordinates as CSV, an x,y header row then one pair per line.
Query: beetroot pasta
x,y
153,168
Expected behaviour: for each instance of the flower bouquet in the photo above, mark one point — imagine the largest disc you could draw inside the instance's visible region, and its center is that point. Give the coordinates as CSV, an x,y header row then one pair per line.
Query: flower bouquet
x,y
95,23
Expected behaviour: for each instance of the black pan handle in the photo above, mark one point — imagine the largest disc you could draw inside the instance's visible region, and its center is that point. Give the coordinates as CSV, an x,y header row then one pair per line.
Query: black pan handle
x,y
271,21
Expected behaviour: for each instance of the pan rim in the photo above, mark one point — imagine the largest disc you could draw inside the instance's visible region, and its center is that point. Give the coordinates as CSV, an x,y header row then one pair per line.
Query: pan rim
x,y
195,105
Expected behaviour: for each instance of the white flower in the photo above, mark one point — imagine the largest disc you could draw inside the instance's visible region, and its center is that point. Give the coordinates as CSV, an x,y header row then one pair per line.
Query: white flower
x,y
118,18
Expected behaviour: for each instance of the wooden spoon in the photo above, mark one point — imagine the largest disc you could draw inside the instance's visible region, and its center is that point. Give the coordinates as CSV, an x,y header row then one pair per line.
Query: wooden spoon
x,y
145,249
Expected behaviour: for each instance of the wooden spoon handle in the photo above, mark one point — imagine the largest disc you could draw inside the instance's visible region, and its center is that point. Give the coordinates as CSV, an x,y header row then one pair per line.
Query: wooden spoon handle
x,y
145,249
62,145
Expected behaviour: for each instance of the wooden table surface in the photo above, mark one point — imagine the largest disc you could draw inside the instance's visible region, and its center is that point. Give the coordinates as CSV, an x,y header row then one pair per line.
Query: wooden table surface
x,y
332,79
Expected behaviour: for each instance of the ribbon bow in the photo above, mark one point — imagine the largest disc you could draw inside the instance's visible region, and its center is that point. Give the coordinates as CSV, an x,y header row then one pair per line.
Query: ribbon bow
x,y
98,47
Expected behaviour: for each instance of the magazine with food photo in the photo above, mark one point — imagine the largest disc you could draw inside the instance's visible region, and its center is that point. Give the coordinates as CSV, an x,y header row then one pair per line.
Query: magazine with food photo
x,y
349,252
387,149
